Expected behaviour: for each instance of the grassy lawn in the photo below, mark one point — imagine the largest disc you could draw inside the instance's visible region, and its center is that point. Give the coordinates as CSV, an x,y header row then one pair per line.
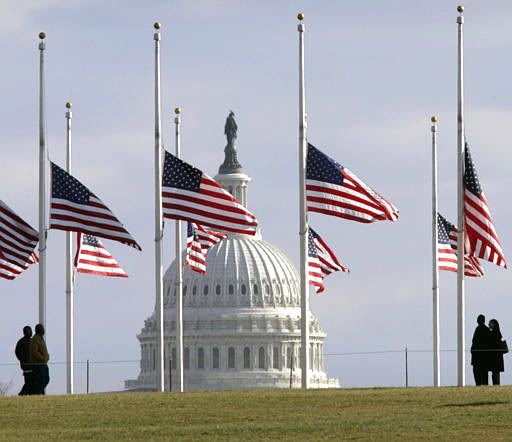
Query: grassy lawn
x,y
471,413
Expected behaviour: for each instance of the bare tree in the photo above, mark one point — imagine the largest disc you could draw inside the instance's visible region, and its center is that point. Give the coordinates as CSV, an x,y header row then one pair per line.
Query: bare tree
x,y
5,387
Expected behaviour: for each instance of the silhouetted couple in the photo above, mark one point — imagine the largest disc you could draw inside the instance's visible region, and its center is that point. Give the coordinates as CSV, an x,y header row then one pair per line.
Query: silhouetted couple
x,y
487,350
33,356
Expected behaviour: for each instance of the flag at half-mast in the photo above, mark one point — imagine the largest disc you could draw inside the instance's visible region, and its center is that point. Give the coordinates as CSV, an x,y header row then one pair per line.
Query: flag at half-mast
x,y
17,243
447,235
199,241
334,190
482,239
92,257
189,194
321,261
75,208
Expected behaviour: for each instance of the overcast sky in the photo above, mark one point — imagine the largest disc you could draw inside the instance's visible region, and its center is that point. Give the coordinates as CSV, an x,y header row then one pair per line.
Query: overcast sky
x,y
375,73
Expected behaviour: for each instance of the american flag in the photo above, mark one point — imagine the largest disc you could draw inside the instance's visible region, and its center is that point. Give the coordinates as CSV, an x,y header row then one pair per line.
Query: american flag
x,y
92,257
17,243
481,235
447,250
321,261
334,190
191,195
199,240
75,208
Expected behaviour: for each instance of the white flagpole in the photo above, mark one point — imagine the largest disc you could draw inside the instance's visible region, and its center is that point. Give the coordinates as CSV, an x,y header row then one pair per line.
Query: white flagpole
x,y
179,277
303,224
461,372
43,158
159,302
435,269
69,271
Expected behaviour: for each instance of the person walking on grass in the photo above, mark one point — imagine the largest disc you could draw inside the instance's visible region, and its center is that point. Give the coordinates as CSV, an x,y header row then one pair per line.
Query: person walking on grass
x,y
479,352
39,357
22,352
498,349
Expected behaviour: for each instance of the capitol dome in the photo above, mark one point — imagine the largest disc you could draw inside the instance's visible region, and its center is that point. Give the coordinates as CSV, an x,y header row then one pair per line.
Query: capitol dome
x,y
241,321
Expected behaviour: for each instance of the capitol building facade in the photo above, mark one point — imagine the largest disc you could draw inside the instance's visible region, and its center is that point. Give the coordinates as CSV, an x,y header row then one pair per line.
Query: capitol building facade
x,y
241,321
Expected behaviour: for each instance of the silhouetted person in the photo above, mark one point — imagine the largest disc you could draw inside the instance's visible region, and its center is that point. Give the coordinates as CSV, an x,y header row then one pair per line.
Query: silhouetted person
x,y
496,365
39,357
479,352
23,354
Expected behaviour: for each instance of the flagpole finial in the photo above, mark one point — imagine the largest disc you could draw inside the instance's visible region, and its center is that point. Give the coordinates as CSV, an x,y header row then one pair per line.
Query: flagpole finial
x,y
434,119
300,16
177,111
42,35
157,26
69,105
460,9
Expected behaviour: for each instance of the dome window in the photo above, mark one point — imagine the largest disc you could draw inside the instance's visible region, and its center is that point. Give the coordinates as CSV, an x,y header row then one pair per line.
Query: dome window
x,y
215,357
275,358
200,358
278,290
184,290
186,358
231,357
194,290
243,289
173,358
255,289
205,290
217,289
267,289
174,292
261,358
247,357
231,289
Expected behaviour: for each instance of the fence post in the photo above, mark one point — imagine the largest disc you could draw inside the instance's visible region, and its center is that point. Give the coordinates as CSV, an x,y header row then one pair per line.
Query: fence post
x,y
291,368
406,370
170,374
87,371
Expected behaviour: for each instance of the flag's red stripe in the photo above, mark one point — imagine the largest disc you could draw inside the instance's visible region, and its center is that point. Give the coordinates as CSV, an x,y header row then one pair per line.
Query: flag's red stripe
x,y
88,231
210,224
222,208
343,215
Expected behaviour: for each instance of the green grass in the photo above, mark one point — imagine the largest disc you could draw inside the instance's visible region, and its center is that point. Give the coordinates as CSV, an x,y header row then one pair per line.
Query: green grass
x,y
471,413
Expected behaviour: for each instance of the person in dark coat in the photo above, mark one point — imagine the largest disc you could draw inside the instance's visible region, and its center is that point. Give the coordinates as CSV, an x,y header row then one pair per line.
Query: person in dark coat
x,y
22,352
496,365
480,352
39,357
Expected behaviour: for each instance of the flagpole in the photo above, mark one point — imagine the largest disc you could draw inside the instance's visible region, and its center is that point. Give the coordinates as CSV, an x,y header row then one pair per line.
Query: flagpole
x,y
43,154
69,271
159,302
435,268
461,375
179,276
303,226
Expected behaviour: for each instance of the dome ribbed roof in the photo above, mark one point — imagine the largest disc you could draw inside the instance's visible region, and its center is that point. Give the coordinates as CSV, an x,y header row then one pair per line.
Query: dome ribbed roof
x,y
242,271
